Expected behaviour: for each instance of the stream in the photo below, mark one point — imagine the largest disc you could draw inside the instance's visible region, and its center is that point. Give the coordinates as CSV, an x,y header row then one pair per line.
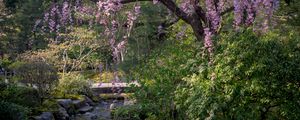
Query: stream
x,y
102,111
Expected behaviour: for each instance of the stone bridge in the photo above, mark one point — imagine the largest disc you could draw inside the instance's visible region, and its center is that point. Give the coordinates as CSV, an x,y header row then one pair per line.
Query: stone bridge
x,y
113,87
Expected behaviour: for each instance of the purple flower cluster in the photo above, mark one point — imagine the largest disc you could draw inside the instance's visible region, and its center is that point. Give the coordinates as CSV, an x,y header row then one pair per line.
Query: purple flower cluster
x,y
249,6
187,7
239,7
65,13
208,40
109,6
106,16
212,14
155,1
264,10
53,16
261,10
56,17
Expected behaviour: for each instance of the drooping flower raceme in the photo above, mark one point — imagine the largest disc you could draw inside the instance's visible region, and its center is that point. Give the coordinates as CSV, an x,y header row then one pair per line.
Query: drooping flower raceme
x,y
52,19
65,12
246,11
239,8
208,40
213,14
155,1
186,6
249,6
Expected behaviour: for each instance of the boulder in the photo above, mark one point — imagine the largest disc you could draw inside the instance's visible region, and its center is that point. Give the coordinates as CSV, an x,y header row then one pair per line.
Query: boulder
x,y
85,109
79,103
87,116
89,101
61,114
113,105
65,103
129,102
45,116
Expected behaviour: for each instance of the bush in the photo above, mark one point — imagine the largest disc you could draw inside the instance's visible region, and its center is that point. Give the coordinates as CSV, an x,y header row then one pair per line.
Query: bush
x,y
134,112
36,74
20,95
160,75
251,78
73,84
11,111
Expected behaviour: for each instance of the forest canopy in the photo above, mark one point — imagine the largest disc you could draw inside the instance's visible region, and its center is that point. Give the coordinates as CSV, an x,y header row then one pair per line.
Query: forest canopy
x,y
188,59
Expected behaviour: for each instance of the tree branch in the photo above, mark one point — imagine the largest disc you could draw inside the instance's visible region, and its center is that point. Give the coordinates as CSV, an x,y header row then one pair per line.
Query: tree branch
x,y
176,10
200,13
171,5
130,1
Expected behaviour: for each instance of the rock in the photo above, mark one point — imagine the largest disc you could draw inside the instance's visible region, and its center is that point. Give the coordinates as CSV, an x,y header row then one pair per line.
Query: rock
x,y
65,103
61,114
113,105
37,118
104,103
89,101
85,109
79,103
45,116
90,116
128,102
86,116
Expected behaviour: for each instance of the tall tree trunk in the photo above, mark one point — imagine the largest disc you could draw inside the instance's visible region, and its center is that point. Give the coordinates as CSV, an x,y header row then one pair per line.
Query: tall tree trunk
x,y
197,26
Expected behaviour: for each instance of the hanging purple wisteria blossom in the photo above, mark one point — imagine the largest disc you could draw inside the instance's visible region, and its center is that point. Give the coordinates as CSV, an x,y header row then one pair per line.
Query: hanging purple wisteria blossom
x,y
213,14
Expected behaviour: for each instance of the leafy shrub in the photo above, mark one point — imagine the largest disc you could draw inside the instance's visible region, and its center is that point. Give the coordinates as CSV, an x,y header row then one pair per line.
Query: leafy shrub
x,y
160,75
36,74
49,105
134,112
251,78
24,96
11,111
73,84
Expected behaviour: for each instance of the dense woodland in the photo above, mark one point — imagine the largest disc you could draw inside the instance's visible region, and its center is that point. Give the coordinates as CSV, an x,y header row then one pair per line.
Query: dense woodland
x,y
191,59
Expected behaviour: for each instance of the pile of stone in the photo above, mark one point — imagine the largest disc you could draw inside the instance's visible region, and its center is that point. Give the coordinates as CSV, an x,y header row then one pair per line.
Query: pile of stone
x,y
71,110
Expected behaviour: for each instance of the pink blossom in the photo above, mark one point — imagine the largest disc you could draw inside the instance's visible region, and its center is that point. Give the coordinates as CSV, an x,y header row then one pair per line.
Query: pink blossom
x,y
212,14
155,1
187,7
208,40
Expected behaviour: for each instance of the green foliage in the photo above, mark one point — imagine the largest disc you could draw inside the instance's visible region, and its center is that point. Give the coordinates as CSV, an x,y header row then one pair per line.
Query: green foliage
x,y
290,13
160,75
73,84
24,96
17,28
36,74
11,111
134,112
48,106
145,37
251,78
4,63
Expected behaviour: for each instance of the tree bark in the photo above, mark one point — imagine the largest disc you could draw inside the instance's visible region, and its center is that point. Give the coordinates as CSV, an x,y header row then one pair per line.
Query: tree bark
x,y
197,19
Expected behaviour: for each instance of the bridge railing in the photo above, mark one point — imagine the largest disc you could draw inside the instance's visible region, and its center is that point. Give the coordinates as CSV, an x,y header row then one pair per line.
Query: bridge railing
x,y
112,87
